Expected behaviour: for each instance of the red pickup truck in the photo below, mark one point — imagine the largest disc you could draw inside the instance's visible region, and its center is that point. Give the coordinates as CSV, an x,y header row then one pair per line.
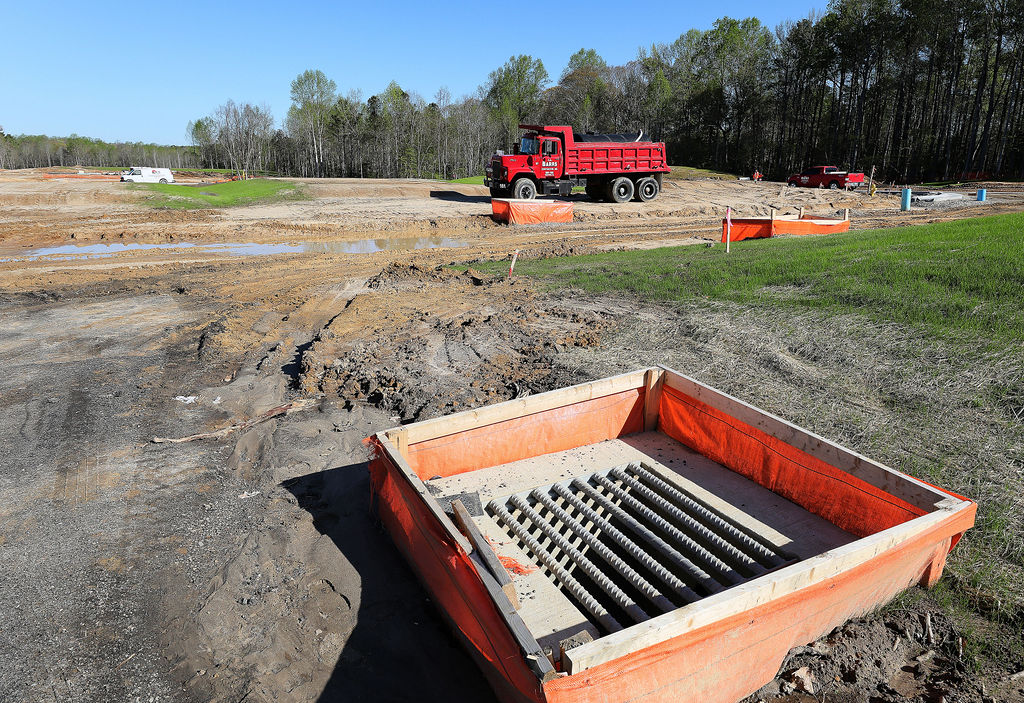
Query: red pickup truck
x,y
826,177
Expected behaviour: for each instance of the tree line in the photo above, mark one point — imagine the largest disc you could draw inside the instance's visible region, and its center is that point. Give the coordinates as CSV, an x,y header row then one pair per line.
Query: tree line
x,y
919,89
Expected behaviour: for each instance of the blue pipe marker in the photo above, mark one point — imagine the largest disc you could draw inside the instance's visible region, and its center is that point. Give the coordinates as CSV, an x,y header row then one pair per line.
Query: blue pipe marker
x,y
905,202
981,195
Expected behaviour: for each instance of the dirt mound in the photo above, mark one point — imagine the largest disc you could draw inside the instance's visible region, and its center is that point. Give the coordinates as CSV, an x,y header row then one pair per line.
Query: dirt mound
x,y
913,654
449,340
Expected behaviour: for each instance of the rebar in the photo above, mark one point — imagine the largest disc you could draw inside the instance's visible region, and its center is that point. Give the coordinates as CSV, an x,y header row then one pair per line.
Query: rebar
x,y
711,563
571,584
696,573
588,537
712,541
631,547
732,531
601,579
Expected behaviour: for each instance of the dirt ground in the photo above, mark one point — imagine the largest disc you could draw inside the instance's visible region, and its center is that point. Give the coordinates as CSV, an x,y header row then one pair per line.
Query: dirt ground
x,y
248,567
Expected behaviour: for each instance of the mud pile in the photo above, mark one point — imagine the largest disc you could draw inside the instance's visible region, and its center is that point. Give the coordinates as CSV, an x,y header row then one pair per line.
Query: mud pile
x,y
450,340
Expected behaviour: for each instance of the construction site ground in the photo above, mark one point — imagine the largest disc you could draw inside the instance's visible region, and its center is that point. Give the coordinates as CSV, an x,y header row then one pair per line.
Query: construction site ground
x,y
247,566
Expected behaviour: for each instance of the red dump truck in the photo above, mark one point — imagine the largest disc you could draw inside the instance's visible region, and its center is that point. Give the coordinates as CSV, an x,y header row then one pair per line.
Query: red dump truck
x,y
552,160
826,177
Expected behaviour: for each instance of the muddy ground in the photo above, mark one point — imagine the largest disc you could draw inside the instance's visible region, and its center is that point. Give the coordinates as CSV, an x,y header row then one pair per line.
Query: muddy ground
x,y
247,567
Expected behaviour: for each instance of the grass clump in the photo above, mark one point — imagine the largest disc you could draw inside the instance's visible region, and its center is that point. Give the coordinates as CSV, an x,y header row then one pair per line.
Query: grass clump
x,y
216,195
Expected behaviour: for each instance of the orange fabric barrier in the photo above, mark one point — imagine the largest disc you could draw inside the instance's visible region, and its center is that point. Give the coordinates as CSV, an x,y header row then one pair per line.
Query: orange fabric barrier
x,y
733,657
541,433
760,227
452,581
844,500
531,212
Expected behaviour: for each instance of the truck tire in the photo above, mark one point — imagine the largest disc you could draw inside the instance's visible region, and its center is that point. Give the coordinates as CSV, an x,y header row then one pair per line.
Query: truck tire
x,y
833,185
647,189
792,184
595,189
524,189
497,193
620,190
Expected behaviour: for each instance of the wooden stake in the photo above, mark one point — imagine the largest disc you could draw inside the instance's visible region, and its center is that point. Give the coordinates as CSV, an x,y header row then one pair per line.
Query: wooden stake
x,y
728,228
801,213
846,214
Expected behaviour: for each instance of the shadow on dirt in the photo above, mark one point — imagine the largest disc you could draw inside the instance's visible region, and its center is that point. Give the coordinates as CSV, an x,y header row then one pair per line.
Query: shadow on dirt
x,y
401,649
456,197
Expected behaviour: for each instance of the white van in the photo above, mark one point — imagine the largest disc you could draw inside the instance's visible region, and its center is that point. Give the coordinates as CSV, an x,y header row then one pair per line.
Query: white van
x,y
138,174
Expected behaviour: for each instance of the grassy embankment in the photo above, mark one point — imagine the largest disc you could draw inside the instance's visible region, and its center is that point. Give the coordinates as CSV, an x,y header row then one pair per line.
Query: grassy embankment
x,y
953,278
215,195
934,311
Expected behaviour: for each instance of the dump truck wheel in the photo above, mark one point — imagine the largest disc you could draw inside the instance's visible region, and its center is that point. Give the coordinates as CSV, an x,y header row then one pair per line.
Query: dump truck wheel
x,y
524,189
595,190
834,185
647,189
621,190
497,193
792,184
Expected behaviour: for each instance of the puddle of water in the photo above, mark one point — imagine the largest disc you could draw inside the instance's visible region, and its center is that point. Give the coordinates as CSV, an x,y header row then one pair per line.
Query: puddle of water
x,y
69,252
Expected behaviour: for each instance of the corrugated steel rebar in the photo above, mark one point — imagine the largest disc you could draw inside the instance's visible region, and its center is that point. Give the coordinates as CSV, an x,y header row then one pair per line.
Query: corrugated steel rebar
x,y
630,546
711,541
731,531
698,574
621,537
565,578
587,566
588,537
711,563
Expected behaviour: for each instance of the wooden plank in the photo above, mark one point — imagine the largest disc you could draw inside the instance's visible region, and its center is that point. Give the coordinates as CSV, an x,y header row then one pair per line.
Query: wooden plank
x,y
520,407
432,505
465,522
889,480
748,595
532,652
400,438
653,380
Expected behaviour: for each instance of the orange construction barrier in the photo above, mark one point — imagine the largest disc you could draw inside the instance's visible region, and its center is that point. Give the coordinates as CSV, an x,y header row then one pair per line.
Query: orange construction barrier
x,y
762,227
531,212
741,642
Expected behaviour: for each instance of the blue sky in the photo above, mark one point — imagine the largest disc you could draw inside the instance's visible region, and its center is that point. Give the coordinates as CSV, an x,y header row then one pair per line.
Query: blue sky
x,y
142,70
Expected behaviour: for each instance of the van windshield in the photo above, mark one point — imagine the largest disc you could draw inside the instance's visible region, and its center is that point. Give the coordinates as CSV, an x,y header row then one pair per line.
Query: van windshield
x,y
529,145
136,172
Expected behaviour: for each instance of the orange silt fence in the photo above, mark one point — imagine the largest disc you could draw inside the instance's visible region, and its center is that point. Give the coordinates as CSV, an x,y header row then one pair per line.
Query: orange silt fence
x,y
531,212
763,227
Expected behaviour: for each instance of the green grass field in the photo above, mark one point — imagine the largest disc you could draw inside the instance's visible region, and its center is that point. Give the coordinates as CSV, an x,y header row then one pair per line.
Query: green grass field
x,y
962,277
234,193
470,180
